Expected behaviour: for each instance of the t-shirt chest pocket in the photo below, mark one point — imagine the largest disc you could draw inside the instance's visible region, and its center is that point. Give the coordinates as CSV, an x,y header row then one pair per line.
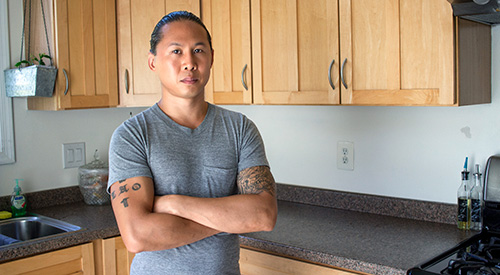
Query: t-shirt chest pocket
x,y
219,182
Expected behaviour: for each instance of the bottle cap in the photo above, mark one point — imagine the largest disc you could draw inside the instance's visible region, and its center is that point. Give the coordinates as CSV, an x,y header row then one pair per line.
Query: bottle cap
x,y
465,175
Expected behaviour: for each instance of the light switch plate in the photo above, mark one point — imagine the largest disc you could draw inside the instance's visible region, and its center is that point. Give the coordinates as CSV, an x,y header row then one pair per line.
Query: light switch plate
x,y
73,154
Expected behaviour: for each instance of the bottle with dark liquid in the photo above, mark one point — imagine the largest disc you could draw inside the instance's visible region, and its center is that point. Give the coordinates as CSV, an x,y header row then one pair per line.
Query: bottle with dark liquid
x,y
463,195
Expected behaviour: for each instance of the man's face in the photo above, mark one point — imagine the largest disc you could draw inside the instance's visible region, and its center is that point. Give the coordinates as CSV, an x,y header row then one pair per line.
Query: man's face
x,y
183,60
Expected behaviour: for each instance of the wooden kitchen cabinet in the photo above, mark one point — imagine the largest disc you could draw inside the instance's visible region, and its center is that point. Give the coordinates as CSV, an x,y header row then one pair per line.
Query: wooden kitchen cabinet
x,y
138,85
260,263
73,260
282,51
392,52
228,22
82,34
112,257
404,52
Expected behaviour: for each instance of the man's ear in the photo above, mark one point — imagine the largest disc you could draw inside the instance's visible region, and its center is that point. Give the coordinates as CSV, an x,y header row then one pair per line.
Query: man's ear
x,y
151,61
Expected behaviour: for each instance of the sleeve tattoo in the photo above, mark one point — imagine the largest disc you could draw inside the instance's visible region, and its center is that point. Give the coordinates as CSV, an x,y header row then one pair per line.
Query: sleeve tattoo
x,y
255,180
124,189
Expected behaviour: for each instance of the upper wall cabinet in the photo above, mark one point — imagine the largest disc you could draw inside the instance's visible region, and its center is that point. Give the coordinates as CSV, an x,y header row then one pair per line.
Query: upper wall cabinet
x,y
83,42
274,52
228,22
138,85
404,52
392,52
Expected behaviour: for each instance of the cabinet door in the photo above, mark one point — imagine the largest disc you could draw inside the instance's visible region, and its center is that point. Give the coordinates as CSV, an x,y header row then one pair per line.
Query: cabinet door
x,y
294,48
85,55
254,262
138,85
228,22
427,41
112,257
397,52
74,260
369,39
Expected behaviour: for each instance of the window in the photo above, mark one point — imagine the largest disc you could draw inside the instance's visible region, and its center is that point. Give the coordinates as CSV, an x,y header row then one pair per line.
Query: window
x,y
6,123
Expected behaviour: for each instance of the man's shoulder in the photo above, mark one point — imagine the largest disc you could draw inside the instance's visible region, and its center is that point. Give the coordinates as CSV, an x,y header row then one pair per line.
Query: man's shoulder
x,y
138,122
226,113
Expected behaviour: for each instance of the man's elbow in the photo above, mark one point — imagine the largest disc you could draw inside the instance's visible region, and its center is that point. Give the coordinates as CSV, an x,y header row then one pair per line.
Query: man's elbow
x,y
133,242
268,219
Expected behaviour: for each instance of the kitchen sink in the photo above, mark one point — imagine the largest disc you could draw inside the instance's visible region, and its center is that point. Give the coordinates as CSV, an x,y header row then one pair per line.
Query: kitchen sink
x,y
32,227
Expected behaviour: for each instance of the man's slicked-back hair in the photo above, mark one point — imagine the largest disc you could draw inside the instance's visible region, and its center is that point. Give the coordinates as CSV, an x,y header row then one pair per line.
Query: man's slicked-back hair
x,y
157,34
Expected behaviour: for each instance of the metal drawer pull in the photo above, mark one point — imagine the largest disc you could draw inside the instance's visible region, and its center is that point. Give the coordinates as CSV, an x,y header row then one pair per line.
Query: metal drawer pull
x,y
342,73
243,78
67,81
330,75
126,80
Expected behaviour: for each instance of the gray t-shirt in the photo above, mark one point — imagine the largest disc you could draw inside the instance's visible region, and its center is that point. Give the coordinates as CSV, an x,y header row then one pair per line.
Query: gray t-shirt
x,y
203,162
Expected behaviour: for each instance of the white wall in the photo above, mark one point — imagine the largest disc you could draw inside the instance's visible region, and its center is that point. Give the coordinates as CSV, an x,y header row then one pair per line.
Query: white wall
x,y
407,152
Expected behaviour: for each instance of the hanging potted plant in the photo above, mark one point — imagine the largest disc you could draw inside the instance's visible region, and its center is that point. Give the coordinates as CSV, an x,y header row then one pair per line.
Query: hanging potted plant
x,y
36,79
32,77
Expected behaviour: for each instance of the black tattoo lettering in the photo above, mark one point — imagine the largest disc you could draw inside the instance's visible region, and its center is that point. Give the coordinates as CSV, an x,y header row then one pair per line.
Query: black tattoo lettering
x,y
120,181
125,202
113,195
136,186
255,180
123,189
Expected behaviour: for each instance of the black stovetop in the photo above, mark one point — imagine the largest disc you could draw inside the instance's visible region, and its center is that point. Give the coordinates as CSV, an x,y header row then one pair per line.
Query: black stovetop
x,y
478,255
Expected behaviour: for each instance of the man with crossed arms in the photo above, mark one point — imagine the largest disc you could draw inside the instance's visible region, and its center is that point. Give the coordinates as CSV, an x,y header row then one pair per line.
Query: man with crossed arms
x,y
187,176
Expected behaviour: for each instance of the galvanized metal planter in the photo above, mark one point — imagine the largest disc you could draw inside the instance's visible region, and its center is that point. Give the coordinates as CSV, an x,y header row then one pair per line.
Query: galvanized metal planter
x,y
34,80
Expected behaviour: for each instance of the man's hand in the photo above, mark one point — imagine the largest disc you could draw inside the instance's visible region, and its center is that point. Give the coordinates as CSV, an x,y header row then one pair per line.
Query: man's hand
x,y
253,209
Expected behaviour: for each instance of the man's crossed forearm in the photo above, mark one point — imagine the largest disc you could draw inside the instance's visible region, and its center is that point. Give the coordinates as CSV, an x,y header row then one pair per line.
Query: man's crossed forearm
x,y
253,209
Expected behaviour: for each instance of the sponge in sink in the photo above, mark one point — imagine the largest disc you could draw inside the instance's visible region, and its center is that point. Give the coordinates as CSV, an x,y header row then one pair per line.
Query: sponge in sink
x,y
5,215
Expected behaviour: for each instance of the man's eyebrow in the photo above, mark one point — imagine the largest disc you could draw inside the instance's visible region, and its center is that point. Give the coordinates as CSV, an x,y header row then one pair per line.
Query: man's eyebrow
x,y
177,44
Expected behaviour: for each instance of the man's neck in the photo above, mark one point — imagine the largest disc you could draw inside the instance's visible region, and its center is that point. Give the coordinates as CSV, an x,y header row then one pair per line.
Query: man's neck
x,y
188,113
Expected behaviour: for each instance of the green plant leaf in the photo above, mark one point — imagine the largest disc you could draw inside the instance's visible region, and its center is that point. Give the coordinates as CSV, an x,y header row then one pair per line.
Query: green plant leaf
x,y
23,62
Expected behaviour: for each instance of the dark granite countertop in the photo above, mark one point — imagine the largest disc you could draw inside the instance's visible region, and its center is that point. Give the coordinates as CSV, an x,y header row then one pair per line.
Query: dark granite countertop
x,y
371,243
365,242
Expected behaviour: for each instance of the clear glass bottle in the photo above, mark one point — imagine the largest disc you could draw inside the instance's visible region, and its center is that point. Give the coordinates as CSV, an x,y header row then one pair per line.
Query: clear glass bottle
x,y
476,204
463,217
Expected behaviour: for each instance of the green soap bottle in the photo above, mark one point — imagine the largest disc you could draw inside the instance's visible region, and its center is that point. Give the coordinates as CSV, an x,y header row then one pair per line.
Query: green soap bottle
x,y
18,201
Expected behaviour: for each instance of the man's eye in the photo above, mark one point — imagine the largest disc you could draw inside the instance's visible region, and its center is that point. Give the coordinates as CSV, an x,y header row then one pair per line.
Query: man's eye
x,y
176,51
198,51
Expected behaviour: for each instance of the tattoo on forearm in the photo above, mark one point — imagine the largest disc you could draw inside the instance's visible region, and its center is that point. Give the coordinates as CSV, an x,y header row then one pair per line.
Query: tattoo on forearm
x,y
123,189
256,180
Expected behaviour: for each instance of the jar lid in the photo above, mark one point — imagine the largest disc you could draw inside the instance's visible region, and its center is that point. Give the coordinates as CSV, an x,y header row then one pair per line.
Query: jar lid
x,y
96,163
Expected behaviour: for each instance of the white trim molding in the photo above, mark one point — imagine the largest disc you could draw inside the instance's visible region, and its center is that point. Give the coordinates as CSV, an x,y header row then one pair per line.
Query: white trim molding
x,y
7,152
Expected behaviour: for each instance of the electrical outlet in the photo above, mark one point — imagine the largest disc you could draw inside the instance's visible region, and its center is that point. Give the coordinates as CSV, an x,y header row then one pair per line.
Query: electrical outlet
x,y
345,155
73,154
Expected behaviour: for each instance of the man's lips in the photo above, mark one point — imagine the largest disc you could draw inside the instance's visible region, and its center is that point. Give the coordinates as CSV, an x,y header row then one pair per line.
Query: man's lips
x,y
189,80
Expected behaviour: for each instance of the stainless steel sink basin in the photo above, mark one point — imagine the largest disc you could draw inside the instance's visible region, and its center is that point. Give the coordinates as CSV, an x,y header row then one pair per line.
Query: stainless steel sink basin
x,y
32,227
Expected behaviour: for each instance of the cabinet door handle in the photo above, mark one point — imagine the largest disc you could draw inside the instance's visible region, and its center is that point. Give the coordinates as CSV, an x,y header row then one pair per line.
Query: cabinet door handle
x,y
67,81
342,73
126,80
330,74
243,78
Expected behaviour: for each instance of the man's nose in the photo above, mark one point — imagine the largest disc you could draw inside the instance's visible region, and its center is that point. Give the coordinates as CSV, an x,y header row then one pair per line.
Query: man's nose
x,y
189,63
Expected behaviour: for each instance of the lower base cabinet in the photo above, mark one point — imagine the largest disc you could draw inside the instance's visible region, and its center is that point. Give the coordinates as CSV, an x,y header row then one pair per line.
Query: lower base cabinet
x,y
112,257
73,260
255,262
